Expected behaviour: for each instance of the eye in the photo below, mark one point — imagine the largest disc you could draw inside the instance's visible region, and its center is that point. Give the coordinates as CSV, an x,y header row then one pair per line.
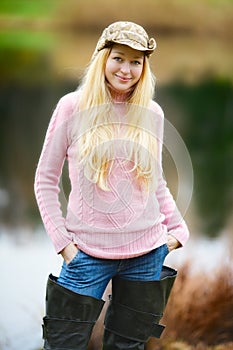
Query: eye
x,y
117,58
136,63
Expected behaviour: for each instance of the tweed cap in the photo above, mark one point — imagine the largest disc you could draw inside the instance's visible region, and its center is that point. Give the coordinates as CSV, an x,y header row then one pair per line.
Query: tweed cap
x,y
126,33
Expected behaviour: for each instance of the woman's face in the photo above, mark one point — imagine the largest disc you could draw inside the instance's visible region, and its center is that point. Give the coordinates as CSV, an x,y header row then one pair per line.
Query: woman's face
x,y
124,67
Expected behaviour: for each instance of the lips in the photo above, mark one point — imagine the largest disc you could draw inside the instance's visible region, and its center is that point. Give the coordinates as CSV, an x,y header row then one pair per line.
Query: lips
x,y
123,78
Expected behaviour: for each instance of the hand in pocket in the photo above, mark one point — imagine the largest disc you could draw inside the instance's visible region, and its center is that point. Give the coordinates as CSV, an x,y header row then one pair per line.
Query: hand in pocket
x,y
69,252
172,243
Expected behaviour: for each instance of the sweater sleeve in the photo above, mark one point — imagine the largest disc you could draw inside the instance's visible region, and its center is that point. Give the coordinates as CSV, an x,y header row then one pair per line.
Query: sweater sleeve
x,y
173,219
48,175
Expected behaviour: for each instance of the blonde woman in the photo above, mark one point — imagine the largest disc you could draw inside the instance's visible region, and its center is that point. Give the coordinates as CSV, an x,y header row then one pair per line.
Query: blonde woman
x,y
121,219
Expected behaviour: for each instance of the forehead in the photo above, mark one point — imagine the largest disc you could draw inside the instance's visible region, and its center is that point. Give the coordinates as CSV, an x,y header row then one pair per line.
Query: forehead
x,y
127,51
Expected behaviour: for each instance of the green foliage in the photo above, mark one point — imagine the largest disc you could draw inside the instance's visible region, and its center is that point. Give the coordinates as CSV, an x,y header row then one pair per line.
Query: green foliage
x,y
23,39
27,7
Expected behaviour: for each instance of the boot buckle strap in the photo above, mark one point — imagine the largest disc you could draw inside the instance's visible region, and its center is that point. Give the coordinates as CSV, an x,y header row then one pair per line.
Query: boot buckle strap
x,y
132,324
157,330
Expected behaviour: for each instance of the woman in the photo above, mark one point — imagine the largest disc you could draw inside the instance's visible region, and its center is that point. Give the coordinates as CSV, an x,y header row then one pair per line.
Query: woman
x,y
121,219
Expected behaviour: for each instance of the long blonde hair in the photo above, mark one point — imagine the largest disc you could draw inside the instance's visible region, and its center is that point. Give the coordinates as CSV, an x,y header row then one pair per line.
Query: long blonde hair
x,y
97,125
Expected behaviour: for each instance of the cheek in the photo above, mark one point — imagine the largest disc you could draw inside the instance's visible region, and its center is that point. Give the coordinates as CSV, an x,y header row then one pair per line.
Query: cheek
x,y
138,73
110,67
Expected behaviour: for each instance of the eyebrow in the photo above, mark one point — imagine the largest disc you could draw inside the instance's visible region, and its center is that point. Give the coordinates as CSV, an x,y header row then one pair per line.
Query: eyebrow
x,y
122,53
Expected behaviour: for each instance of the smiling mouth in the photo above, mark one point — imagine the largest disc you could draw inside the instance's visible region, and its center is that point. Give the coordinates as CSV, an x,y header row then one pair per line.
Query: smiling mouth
x,y
123,78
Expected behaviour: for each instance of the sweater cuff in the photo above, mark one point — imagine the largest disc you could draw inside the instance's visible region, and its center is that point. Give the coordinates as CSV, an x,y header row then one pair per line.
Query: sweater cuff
x,y
181,235
60,238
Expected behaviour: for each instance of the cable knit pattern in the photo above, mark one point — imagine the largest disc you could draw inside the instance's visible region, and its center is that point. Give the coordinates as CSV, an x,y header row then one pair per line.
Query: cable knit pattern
x,y
122,223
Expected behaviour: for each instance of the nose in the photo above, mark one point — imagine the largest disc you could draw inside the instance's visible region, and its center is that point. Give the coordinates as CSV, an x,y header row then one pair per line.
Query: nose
x,y
125,67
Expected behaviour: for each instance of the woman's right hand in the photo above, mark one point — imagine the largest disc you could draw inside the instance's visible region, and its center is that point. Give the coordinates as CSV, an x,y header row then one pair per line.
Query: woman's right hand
x,y
69,252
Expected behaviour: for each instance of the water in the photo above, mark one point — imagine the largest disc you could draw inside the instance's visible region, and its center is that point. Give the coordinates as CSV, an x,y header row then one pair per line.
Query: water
x,y
26,260
25,266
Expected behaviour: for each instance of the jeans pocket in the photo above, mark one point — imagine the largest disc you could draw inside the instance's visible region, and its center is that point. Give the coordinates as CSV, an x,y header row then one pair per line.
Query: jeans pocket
x,y
73,261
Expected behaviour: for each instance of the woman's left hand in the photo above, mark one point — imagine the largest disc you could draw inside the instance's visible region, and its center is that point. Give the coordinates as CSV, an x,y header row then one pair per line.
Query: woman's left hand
x,y
172,243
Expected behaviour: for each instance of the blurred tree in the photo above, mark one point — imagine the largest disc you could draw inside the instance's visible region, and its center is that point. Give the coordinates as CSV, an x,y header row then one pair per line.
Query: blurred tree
x,y
208,133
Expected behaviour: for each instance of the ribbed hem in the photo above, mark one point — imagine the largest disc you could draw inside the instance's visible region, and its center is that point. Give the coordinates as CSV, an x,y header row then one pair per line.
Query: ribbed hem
x,y
149,240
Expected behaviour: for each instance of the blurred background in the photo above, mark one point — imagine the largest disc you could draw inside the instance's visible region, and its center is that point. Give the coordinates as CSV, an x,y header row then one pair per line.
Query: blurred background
x,y
44,47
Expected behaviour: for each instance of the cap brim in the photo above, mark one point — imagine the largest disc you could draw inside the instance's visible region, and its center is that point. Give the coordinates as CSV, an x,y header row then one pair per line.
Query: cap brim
x,y
133,44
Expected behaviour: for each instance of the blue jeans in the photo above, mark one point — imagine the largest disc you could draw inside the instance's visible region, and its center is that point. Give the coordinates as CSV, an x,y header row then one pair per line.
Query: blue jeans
x,y
90,276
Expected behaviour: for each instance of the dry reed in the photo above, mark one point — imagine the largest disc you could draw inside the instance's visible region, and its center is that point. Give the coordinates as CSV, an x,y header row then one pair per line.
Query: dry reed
x,y
199,314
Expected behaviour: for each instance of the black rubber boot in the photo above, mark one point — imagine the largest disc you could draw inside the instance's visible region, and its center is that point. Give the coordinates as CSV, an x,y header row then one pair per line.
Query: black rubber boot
x,y
135,310
69,318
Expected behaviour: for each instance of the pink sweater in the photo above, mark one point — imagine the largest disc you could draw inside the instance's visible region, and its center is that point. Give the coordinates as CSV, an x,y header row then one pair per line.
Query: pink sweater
x,y
125,222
